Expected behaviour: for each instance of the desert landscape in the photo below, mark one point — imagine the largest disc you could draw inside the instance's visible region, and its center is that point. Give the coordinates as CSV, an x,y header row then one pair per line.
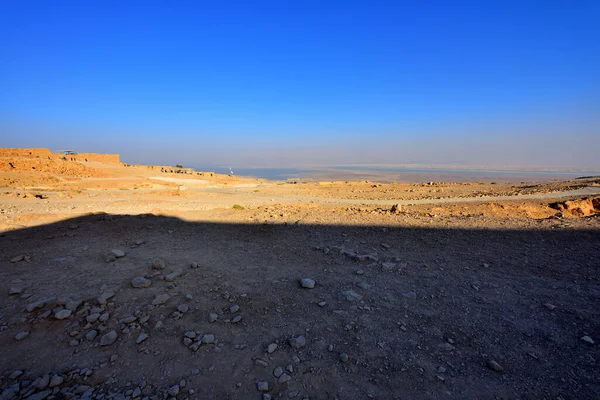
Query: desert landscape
x,y
127,281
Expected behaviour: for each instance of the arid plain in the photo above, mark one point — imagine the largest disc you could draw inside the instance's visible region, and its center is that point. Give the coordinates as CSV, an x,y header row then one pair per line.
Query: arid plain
x,y
152,282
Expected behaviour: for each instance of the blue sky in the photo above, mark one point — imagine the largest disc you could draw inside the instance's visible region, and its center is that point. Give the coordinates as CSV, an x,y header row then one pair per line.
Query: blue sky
x,y
322,82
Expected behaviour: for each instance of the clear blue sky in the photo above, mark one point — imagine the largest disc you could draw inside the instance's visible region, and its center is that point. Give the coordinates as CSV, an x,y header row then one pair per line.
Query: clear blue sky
x,y
505,82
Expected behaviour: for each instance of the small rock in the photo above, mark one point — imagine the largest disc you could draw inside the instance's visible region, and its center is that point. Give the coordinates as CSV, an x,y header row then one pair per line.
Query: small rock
x,y
161,299
15,290
360,272
16,373
262,386
142,336
22,335
212,317
344,357
297,342
157,263
173,275
234,308
236,319
284,378
388,266
588,339
18,258
36,305
363,285
208,338
441,369
108,338
322,303
56,380
266,396
261,363
183,308
92,318
493,365
351,295
550,306
173,390
40,395
278,372
307,283
140,282
446,347
62,314
91,335
195,265
104,317
271,348
410,295
117,253
103,298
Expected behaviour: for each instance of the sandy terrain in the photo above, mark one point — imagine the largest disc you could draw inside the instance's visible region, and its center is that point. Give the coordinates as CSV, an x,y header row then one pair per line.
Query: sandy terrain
x,y
128,282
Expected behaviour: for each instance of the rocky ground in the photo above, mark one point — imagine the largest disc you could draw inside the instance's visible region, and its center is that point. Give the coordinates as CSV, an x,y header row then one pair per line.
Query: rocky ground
x,y
163,292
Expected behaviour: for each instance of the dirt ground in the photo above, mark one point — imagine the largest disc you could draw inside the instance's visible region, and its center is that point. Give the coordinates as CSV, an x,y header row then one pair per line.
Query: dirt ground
x,y
421,291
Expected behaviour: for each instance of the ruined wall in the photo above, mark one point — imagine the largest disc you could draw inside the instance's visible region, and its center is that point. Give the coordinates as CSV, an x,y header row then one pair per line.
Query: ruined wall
x,y
28,153
83,157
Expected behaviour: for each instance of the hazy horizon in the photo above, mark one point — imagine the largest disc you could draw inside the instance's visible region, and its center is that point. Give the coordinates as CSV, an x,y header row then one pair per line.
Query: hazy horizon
x,y
277,85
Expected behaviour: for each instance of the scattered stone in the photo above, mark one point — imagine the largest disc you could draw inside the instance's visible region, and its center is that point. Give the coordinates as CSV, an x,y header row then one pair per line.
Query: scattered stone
x,y
92,318
22,335
195,265
363,285
157,263
208,338
173,390
351,295
284,378
15,290
103,298
108,338
212,317
142,336
271,348
16,373
493,365
36,305
18,258
344,357
261,363
266,396
40,395
550,306
104,317
161,299
446,347
278,372
62,314
234,308
296,359
91,335
262,386
388,266
441,369
360,272
322,303
297,342
588,339
410,295
183,308
289,368
117,253
140,282
236,319
385,245
173,275
307,283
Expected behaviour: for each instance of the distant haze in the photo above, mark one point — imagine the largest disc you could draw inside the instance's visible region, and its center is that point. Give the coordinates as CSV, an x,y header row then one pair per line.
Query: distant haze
x,y
271,84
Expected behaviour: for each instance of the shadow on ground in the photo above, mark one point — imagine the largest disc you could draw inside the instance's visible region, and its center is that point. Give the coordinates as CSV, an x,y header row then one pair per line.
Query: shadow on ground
x,y
429,309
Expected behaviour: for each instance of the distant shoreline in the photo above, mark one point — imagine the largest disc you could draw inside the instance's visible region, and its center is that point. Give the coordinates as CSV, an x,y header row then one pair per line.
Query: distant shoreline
x,y
398,174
